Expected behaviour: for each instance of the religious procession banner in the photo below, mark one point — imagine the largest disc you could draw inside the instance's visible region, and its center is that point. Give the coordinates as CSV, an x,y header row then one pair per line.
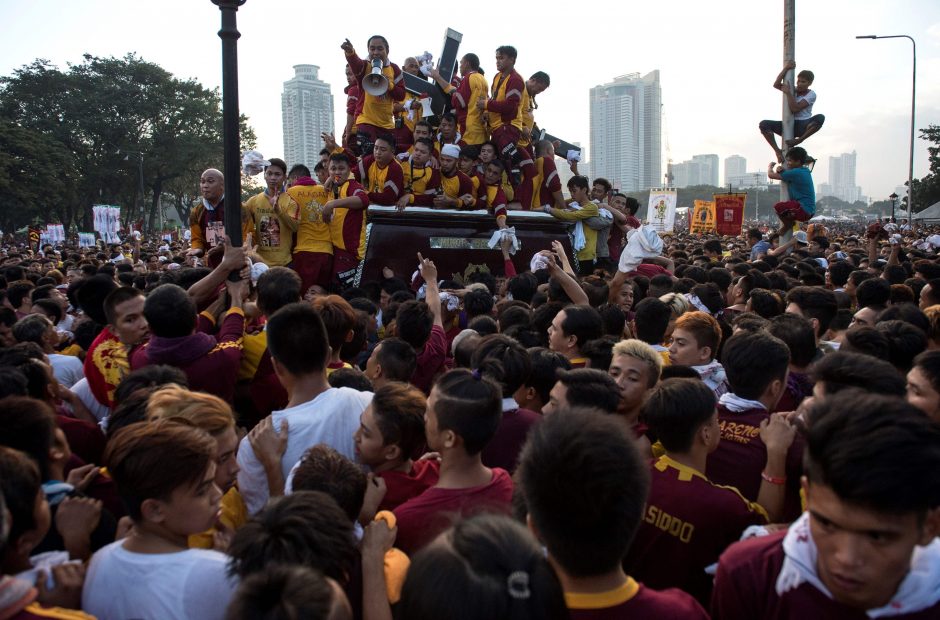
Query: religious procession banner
x,y
703,217
86,240
661,213
729,213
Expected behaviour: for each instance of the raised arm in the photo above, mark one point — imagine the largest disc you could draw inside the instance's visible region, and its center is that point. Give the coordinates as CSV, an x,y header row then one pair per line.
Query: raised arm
x,y
778,82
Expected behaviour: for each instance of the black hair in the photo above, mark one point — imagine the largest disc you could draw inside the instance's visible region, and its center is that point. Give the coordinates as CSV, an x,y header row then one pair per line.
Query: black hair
x,y
306,528
322,468
398,409
32,328
397,358
907,312
585,486
676,409
277,287
874,293
874,451
484,325
281,592
413,323
514,366
115,298
815,303
844,369
752,361
490,561
867,340
678,371
387,138
152,376
20,484
478,303
12,382
599,351
378,36
298,170
929,363
514,314
351,378
797,333
507,50
170,311
92,294
905,342
543,78
651,318
545,364
613,319
297,339
583,322
590,387
579,181
29,425
279,163
468,406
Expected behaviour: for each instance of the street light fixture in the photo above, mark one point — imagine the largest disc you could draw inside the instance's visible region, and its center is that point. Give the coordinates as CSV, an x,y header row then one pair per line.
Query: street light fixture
x,y
910,171
894,201
140,168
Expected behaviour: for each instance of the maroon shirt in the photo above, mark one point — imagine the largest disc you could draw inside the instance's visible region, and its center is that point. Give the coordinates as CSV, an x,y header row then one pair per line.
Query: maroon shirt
x,y
741,457
430,360
687,523
210,362
503,449
746,588
421,519
401,486
634,600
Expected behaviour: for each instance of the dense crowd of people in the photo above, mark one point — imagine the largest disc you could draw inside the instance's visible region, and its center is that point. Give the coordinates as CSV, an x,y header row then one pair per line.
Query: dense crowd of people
x,y
684,426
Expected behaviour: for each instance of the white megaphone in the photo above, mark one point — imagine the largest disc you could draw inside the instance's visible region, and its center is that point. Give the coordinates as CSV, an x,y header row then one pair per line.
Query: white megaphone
x,y
376,84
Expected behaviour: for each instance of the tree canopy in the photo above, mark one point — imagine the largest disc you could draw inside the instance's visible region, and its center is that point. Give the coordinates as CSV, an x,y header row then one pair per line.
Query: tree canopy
x,y
73,138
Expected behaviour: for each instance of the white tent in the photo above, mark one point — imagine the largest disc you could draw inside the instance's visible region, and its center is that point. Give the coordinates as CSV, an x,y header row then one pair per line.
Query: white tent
x,y
930,213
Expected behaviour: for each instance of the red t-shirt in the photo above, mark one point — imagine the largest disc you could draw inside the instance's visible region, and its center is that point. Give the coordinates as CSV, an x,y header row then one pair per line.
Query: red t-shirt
x,y
687,523
746,588
503,449
401,486
430,360
634,600
741,457
423,518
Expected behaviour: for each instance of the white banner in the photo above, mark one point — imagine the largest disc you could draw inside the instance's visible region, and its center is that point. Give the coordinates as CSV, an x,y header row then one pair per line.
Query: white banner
x,y
107,222
86,240
661,213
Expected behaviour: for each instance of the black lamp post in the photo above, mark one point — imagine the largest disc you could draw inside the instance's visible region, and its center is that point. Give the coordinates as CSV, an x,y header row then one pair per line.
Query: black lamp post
x,y
894,201
230,138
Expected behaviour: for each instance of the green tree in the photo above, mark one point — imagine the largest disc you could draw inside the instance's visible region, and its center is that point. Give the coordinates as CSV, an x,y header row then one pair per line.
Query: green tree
x,y
926,191
104,113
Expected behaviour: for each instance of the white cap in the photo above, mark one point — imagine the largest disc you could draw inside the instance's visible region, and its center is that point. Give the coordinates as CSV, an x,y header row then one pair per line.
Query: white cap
x,y
450,150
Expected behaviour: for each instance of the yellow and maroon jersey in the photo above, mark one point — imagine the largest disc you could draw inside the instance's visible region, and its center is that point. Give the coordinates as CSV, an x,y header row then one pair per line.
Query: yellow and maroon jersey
x,y
313,234
348,226
687,523
545,184
526,115
374,110
470,121
457,185
505,100
383,185
422,184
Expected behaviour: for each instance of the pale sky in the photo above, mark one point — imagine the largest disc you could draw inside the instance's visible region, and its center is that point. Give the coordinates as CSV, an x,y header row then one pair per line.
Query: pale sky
x,y
717,61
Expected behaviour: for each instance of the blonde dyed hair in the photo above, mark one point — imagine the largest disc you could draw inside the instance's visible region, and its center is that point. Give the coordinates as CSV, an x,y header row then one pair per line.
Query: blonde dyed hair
x,y
677,302
637,349
933,315
205,411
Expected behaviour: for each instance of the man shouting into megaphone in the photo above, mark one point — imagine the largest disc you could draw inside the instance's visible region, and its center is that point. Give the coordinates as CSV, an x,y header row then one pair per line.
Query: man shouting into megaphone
x,y
381,84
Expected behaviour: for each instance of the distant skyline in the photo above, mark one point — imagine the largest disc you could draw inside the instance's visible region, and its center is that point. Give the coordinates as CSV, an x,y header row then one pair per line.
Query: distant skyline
x,y
716,63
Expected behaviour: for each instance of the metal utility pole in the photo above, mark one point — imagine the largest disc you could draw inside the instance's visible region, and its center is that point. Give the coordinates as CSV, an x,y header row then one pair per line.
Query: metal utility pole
x,y
232,166
789,54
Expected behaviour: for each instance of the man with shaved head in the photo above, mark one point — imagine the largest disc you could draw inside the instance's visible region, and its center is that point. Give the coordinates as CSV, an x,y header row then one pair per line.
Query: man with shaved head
x,y
207,218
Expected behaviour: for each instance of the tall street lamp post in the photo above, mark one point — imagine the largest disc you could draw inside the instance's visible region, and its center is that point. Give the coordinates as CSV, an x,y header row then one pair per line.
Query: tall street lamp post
x,y
910,170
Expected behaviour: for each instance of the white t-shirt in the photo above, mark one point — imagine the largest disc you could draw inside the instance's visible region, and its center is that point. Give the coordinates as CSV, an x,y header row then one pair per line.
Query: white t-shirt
x,y
121,584
806,112
331,418
83,391
68,369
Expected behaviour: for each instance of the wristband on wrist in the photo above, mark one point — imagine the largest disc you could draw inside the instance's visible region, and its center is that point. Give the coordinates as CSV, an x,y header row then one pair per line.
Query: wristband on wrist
x,y
773,479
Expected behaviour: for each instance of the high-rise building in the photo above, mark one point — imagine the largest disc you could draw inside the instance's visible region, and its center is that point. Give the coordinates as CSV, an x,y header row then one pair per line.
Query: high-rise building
x,y
735,165
306,112
842,179
709,169
686,174
626,131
